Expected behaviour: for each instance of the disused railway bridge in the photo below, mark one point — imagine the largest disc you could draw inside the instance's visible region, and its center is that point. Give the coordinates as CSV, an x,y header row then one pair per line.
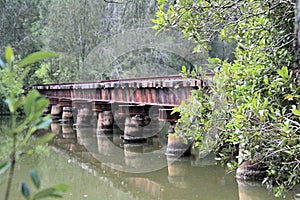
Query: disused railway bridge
x,y
82,102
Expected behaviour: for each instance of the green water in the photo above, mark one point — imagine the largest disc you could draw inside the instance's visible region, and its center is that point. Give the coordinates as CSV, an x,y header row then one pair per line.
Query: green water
x,y
103,167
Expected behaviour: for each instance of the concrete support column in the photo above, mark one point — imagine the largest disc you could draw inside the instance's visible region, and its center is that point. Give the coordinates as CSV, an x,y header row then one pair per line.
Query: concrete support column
x,y
249,171
54,109
136,120
56,112
67,111
177,145
105,122
105,118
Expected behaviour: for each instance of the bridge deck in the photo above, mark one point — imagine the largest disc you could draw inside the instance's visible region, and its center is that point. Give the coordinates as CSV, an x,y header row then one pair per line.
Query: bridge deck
x,y
165,90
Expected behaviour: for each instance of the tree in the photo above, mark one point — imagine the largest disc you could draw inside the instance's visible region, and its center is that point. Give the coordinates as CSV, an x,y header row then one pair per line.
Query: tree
x,y
80,29
20,25
74,28
77,27
261,85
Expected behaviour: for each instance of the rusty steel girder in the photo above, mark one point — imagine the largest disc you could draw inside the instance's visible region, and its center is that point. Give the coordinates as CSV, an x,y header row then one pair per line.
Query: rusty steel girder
x,y
164,91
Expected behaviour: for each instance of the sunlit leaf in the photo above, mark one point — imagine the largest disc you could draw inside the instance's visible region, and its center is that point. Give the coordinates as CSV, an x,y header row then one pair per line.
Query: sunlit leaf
x,y
35,178
61,187
296,112
9,55
25,190
289,97
239,116
37,56
283,72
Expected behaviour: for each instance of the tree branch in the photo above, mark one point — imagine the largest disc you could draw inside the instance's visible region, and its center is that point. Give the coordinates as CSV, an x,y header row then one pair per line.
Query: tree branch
x,y
112,1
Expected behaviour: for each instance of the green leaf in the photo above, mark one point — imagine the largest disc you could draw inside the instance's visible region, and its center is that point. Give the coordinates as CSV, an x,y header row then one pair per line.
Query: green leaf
x,y
35,178
29,104
44,193
4,166
161,1
183,68
7,131
43,139
25,190
9,55
61,187
37,56
56,195
41,104
289,97
51,192
11,105
296,112
283,72
223,34
239,116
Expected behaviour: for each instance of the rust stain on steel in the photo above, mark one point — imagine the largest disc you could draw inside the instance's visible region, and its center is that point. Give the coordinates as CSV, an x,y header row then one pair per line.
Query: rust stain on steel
x,y
167,90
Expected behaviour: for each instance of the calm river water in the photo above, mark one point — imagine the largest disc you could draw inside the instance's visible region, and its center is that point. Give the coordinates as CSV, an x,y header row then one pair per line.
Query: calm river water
x,y
100,167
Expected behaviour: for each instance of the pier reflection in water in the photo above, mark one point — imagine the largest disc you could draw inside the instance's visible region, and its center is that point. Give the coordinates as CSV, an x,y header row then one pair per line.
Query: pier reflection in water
x,y
142,170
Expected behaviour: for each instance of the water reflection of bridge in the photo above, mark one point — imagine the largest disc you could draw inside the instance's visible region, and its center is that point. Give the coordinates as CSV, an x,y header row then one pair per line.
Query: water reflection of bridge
x,y
181,178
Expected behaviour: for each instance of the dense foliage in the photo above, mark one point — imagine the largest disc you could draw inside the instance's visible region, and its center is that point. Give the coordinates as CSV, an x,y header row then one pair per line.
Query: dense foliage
x,y
261,86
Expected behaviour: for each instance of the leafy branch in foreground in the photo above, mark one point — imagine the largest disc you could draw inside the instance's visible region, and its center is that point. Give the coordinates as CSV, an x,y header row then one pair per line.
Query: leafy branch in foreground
x,y
25,115
48,192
